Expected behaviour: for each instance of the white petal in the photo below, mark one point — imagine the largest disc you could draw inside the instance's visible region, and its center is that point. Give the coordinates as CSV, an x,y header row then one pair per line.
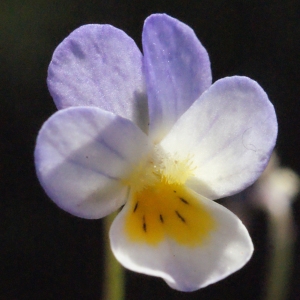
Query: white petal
x,y
83,154
186,268
228,135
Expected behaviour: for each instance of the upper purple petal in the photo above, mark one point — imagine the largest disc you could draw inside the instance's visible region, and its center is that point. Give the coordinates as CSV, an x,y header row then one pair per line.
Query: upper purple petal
x,y
99,65
177,70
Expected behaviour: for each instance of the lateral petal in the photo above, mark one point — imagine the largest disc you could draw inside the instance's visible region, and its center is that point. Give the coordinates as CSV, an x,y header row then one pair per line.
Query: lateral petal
x,y
82,156
228,135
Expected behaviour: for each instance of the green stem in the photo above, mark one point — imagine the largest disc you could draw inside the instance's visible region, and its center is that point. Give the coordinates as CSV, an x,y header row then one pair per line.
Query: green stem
x,y
281,232
114,287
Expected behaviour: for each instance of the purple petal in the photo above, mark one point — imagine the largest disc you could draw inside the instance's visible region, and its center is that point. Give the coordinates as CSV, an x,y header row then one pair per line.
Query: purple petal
x,y
177,70
99,65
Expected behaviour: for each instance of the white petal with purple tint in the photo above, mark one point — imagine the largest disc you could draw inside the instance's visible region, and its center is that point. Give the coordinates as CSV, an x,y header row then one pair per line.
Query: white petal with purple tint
x,y
228,134
83,154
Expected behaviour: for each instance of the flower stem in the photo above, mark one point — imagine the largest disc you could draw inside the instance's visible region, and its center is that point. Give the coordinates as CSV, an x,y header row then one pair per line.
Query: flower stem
x,y
282,236
114,287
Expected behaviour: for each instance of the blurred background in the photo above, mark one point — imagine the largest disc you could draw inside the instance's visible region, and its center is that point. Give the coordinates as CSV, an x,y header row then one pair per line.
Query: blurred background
x,y
46,253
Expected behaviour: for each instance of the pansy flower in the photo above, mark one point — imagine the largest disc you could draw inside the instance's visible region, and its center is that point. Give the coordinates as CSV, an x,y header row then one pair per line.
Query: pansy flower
x,y
150,134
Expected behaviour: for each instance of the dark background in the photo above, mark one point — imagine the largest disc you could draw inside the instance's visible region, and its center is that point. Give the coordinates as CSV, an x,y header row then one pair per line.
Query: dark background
x,y
46,253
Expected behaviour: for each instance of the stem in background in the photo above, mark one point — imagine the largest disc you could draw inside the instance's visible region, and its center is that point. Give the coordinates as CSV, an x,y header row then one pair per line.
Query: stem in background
x,y
114,280
282,237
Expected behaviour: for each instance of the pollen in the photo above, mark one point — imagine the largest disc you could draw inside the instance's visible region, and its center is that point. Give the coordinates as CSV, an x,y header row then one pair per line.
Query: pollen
x,y
167,211
160,166
176,171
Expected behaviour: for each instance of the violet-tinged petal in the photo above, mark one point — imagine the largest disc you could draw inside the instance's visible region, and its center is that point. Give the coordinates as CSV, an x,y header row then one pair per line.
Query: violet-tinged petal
x,y
177,70
99,65
186,268
228,135
82,156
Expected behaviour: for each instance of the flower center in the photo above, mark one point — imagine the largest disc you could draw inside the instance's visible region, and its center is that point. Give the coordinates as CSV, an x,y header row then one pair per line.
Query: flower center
x,y
160,206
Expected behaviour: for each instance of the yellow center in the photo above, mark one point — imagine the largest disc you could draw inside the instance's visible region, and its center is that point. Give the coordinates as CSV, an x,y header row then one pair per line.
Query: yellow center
x,y
164,208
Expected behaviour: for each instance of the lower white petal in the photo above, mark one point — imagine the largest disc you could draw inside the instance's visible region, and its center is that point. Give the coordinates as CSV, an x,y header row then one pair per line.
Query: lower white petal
x,y
184,263
82,156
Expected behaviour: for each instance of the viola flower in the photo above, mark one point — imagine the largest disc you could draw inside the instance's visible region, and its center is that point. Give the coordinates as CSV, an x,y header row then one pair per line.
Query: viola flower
x,y
152,133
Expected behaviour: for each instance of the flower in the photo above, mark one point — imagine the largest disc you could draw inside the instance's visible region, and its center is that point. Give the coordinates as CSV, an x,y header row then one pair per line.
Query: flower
x,y
199,142
276,189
